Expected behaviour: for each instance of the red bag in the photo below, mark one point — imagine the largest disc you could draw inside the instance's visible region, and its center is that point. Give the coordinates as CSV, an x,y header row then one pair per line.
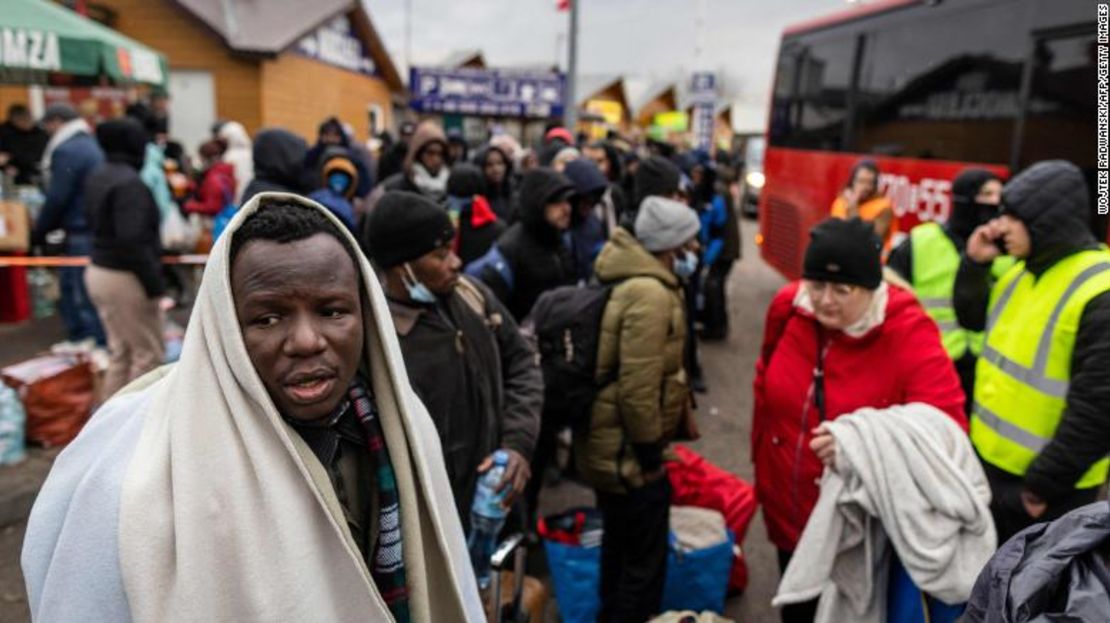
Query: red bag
x,y
697,482
57,392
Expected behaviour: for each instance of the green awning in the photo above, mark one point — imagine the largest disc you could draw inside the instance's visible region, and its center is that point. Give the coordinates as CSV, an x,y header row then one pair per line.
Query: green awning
x,y
39,38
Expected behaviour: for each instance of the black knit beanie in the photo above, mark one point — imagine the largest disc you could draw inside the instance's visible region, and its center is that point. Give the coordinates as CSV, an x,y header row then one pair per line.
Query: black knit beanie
x,y
403,227
844,251
656,176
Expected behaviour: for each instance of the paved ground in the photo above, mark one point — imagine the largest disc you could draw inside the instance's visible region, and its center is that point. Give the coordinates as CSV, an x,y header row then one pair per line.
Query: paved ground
x,y
724,420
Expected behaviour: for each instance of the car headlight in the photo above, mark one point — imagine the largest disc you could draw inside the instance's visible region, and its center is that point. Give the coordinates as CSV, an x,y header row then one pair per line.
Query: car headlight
x,y
755,179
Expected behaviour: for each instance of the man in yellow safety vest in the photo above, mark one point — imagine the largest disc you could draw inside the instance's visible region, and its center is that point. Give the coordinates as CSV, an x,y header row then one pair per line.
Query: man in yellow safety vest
x,y
929,258
1041,414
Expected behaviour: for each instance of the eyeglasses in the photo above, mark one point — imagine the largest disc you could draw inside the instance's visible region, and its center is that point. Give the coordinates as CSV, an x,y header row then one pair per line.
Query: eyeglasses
x,y
839,291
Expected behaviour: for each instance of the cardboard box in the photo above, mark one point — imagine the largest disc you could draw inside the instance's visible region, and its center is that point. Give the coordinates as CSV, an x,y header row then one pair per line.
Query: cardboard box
x,y
15,227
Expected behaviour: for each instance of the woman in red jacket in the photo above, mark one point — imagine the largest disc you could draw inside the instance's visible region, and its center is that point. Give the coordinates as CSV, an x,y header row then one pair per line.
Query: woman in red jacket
x,y
217,185
838,340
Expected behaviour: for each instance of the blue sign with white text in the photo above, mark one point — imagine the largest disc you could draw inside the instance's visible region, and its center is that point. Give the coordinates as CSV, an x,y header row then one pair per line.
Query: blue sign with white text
x,y
486,92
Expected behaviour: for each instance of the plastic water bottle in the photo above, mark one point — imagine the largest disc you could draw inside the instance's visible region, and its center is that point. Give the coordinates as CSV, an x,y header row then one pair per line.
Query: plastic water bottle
x,y
486,518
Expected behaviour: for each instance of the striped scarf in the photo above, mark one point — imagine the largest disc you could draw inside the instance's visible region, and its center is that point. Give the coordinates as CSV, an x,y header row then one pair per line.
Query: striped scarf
x,y
388,565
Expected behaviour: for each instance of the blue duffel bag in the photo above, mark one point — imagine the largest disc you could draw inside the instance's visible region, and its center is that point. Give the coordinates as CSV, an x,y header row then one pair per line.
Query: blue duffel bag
x,y
697,577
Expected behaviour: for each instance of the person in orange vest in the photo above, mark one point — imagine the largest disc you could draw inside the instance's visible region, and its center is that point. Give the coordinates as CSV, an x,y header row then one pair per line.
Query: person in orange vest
x,y
861,198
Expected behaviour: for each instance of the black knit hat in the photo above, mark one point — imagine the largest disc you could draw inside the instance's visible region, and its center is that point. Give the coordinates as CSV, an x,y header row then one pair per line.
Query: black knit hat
x,y
656,176
844,251
405,226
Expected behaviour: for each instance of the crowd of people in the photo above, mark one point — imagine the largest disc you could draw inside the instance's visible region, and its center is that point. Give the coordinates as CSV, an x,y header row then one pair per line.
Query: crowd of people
x,y
365,338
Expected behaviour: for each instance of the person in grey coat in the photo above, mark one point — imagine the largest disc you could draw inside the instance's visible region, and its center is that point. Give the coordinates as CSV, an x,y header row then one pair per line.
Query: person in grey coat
x,y
1057,571
476,374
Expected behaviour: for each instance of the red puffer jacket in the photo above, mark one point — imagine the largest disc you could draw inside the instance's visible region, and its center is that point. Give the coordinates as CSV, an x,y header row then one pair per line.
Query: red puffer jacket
x,y
217,189
897,362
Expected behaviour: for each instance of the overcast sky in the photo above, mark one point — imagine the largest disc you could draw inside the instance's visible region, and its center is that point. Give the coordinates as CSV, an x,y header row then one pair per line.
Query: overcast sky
x,y
646,40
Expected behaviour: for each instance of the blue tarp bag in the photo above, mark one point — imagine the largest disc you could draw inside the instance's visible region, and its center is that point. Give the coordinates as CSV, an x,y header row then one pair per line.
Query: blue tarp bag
x,y
906,603
698,579
13,424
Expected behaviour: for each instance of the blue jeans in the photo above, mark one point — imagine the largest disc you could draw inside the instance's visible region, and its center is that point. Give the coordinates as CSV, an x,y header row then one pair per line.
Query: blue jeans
x,y
75,306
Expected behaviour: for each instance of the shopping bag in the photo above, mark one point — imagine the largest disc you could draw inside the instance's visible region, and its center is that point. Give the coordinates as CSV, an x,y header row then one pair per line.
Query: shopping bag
x,y
572,542
13,419
697,482
699,560
57,393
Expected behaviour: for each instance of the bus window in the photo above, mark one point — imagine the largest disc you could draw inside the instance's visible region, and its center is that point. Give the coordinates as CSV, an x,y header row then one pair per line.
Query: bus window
x,y
943,85
811,92
1061,102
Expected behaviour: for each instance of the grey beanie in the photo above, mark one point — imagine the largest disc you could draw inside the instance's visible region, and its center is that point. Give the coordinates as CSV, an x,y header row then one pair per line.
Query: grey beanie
x,y
60,112
664,224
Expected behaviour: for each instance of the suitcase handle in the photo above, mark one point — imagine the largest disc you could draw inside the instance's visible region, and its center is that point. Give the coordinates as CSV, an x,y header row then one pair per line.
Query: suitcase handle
x,y
509,549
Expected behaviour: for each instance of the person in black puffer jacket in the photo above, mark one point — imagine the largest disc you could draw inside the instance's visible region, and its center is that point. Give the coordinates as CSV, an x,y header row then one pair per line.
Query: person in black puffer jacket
x,y
477,223
125,279
533,246
278,163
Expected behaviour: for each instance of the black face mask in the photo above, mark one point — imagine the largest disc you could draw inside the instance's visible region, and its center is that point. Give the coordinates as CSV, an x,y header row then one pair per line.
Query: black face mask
x,y
984,212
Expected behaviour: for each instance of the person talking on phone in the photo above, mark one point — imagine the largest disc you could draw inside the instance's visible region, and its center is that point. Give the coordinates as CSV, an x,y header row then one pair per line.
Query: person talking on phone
x,y
1041,410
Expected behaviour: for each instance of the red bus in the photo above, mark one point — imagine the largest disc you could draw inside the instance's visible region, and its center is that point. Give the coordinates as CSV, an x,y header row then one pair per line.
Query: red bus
x,y
924,88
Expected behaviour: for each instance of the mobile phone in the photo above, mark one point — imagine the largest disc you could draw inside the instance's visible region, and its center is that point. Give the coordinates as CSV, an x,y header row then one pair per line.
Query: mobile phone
x,y
1000,242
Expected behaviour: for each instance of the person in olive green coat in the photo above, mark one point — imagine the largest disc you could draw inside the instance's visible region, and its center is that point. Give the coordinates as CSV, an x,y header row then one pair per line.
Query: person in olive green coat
x,y
620,454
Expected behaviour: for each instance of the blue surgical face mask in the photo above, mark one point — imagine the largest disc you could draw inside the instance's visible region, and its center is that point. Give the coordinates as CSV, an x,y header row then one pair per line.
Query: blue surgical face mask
x,y
418,292
339,182
685,265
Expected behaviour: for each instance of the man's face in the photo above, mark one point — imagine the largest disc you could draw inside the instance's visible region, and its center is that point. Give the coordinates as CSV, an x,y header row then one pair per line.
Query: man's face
x,y
331,136
990,193
300,313
438,270
495,167
597,154
51,125
1015,236
23,122
432,157
455,151
865,184
558,214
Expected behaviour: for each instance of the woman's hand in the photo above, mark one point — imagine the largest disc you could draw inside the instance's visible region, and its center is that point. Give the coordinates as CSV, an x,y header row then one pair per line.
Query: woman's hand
x,y
823,445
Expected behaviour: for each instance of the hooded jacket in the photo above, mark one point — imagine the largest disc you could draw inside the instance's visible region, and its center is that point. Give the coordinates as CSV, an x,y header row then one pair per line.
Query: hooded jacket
x,y
1051,200
502,198
278,161
315,157
239,155
122,213
477,223
533,248
897,338
643,330
1057,571
217,189
426,133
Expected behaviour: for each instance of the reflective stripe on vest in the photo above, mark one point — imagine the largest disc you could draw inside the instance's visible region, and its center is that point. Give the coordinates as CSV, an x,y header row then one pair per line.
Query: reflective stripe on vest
x,y
1023,376
935,261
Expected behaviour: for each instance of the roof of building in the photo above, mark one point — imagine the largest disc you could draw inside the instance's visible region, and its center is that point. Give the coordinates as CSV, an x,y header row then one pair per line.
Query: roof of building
x,y
464,58
656,90
588,86
268,27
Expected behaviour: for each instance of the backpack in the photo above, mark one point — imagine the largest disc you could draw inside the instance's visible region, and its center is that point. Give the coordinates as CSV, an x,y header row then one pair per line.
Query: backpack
x,y
567,326
492,263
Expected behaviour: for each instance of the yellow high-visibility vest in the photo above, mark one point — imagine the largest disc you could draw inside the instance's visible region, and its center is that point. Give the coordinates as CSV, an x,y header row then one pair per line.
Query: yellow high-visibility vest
x,y
1022,377
935,262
